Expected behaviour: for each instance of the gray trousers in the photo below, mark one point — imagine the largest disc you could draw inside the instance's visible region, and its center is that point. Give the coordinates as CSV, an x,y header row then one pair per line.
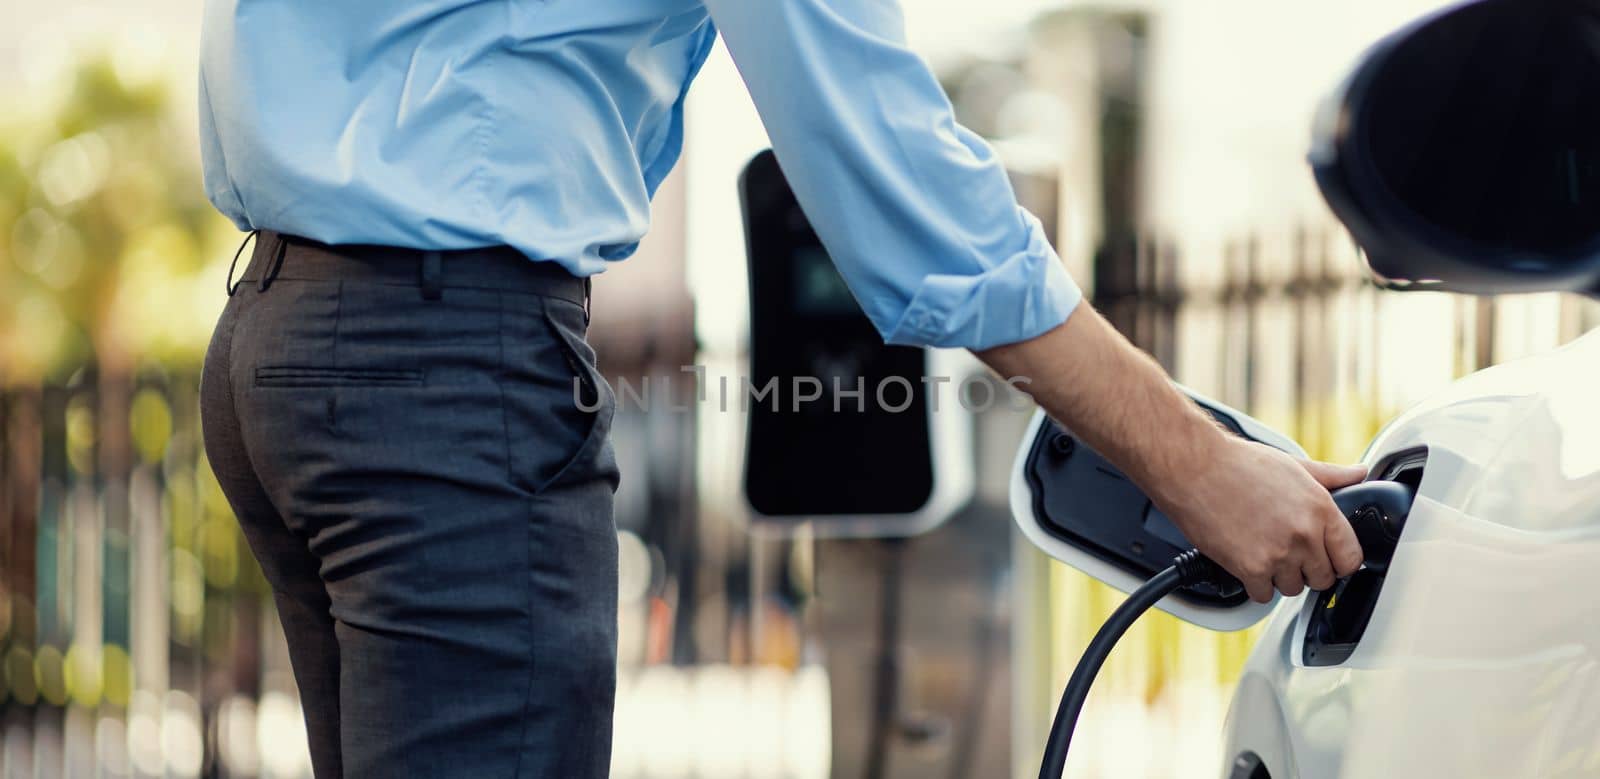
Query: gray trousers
x,y
416,446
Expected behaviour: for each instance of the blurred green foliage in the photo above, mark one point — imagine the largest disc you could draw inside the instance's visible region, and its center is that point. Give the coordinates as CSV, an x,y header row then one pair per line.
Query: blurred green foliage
x,y
108,248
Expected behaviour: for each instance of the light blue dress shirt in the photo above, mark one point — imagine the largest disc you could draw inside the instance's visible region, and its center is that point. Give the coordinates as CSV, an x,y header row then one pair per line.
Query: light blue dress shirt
x,y
548,124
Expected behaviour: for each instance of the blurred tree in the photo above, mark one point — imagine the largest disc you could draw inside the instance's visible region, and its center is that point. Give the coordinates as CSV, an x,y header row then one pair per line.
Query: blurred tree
x,y
106,247
103,220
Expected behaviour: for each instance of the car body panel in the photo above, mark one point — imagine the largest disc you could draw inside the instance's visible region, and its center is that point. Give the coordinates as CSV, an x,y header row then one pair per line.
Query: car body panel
x,y
1483,654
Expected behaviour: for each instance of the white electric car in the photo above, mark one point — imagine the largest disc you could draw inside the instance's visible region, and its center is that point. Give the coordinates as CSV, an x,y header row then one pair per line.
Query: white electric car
x,y
1464,155
1478,653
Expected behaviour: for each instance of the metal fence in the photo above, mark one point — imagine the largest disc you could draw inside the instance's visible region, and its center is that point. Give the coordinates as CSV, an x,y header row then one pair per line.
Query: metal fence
x,y
135,626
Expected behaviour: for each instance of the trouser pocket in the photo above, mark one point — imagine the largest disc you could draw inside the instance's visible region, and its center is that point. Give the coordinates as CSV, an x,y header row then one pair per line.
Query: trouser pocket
x,y
557,402
291,376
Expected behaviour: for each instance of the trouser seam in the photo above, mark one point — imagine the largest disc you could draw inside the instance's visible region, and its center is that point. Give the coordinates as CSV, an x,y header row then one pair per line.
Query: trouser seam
x,y
527,694
338,315
527,545
232,388
500,383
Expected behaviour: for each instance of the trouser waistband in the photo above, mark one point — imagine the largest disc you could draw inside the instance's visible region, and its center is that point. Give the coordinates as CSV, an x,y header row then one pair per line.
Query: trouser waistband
x,y
279,256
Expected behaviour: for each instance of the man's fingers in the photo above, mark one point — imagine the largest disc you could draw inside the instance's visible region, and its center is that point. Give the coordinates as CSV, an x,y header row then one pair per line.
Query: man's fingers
x,y
1332,476
1289,581
1344,549
1259,590
1318,572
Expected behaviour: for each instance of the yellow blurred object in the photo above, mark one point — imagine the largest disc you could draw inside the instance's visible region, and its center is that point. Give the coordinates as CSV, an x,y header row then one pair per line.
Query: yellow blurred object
x,y
81,674
188,597
219,549
49,674
19,676
80,435
116,677
151,423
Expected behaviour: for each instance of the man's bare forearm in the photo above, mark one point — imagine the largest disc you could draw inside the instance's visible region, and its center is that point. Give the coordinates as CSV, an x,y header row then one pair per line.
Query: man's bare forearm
x,y
1264,516
1113,396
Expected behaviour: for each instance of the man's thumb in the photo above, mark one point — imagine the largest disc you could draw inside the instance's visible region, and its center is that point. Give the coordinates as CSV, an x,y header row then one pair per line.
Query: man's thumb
x,y
1332,476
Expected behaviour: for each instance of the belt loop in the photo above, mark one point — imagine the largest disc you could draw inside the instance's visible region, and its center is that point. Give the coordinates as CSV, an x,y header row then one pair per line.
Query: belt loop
x,y
588,296
431,271
270,273
233,286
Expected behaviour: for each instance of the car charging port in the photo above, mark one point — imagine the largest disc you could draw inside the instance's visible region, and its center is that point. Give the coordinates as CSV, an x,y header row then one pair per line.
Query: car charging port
x,y
1377,510
1340,617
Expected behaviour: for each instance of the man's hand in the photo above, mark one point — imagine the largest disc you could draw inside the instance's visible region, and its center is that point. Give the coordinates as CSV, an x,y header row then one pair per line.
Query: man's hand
x,y
1266,517
1262,515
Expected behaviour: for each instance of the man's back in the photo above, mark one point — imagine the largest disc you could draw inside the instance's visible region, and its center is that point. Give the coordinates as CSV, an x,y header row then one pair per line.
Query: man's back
x,y
448,123
547,124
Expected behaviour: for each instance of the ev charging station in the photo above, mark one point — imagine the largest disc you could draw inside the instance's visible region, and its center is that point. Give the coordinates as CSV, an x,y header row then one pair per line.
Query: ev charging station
x,y
846,436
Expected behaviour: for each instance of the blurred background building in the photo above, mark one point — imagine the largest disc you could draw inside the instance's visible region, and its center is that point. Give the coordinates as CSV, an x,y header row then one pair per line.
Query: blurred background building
x,y
1161,141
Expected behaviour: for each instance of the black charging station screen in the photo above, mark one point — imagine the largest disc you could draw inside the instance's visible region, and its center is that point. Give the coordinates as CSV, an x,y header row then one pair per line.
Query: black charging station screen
x,y
819,290
836,454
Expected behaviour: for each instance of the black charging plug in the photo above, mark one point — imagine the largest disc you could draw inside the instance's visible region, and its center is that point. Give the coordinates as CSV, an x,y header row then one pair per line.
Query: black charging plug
x,y
1377,511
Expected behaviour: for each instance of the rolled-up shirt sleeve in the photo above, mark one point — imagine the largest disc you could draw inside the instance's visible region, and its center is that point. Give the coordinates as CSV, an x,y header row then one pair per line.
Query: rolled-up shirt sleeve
x,y
914,209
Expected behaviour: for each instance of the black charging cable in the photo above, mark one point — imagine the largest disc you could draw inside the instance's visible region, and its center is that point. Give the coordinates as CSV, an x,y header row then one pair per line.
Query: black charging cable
x,y
1377,512
1189,568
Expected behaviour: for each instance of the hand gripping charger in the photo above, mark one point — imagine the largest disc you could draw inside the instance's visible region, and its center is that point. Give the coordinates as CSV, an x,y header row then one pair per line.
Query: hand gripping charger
x,y
1080,509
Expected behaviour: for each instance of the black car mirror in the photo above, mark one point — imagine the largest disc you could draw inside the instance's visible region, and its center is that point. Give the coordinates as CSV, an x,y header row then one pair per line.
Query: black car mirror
x,y
1463,152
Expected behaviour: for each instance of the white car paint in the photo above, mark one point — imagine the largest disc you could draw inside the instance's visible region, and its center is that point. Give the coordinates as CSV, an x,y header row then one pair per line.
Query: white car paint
x,y
1482,658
